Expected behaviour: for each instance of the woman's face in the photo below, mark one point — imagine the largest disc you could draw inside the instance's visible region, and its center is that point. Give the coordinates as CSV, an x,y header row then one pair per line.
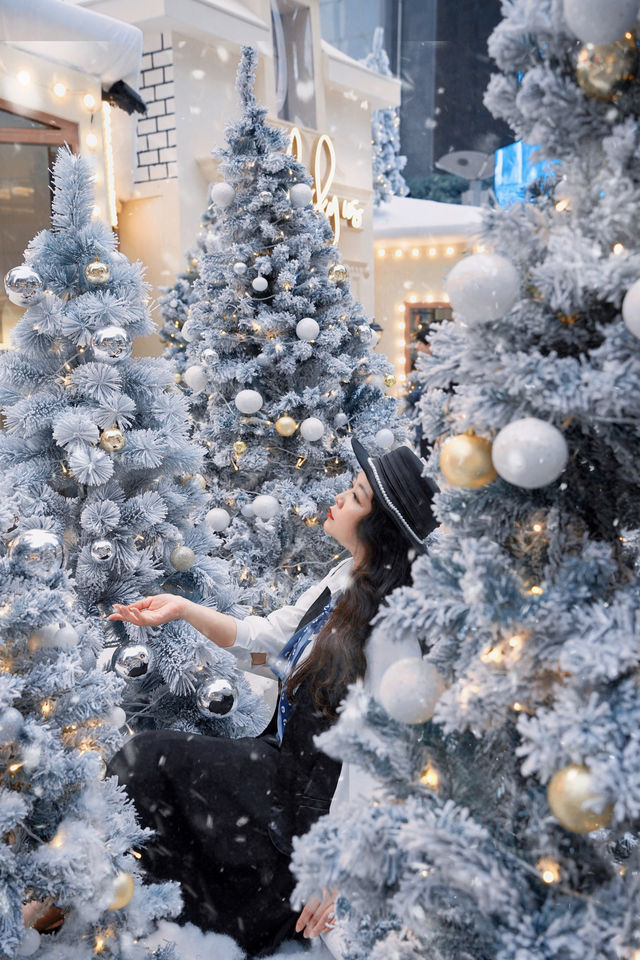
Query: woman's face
x,y
350,508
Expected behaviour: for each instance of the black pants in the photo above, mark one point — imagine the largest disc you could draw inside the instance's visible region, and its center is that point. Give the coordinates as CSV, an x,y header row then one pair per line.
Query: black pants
x,y
207,799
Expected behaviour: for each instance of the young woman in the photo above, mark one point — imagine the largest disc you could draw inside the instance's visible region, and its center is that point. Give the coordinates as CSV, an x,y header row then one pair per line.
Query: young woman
x,y
224,812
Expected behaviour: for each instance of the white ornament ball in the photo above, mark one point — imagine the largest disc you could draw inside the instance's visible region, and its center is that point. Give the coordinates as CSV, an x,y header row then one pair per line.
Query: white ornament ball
x,y
182,558
300,195
29,943
188,332
249,401
239,268
600,21
483,287
631,309
410,690
384,438
54,635
265,506
118,717
260,284
222,194
307,329
23,286
341,420
11,724
247,511
218,519
530,453
195,377
312,429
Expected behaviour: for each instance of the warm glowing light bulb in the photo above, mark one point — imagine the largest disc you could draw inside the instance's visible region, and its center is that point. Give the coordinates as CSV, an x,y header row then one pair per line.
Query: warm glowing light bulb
x,y
562,205
398,253
415,252
518,707
24,77
59,89
536,591
89,101
432,251
400,308
429,298
549,870
382,252
618,248
429,777
449,251
91,140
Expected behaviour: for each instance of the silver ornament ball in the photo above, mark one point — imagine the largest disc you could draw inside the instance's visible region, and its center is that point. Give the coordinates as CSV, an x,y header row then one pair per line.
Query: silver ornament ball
x,y
216,697
265,197
133,661
209,356
182,558
102,551
111,344
113,440
239,268
23,286
37,553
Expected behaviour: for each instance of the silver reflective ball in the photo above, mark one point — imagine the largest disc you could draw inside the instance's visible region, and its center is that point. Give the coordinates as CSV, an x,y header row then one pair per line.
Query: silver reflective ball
x,y
182,558
37,553
133,661
216,697
111,344
209,356
102,551
23,286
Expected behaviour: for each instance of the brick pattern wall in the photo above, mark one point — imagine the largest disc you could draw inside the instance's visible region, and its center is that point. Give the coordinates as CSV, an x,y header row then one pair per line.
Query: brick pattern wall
x,y
156,134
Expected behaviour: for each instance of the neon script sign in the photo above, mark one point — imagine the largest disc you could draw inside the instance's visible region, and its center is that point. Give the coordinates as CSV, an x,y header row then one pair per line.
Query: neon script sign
x,y
323,171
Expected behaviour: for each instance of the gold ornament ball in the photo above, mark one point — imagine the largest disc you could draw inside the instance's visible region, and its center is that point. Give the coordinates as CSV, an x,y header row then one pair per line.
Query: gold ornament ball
x,y
389,380
239,447
286,426
338,273
200,479
113,440
123,888
177,377
465,461
97,273
602,70
568,790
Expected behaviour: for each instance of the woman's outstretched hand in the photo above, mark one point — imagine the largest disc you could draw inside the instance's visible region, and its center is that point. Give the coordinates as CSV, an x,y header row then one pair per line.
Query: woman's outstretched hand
x,y
318,916
151,611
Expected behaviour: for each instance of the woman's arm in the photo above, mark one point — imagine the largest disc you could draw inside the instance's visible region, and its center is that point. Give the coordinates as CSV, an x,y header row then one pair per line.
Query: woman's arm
x,y
164,607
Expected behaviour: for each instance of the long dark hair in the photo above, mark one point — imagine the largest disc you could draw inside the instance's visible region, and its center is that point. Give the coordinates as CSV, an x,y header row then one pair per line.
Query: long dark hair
x,y
337,657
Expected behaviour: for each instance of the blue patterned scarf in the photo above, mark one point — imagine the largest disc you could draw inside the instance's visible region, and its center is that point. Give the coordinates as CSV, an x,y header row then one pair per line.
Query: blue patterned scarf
x,y
289,656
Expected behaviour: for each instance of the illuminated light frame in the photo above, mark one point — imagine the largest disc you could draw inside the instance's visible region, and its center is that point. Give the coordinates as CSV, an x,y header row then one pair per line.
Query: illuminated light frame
x,y
108,163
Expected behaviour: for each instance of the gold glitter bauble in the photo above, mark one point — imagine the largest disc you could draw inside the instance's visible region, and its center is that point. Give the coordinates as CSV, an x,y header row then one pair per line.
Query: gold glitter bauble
x,y
602,70
239,447
465,461
286,426
113,440
567,792
389,380
338,273
97,273
122,891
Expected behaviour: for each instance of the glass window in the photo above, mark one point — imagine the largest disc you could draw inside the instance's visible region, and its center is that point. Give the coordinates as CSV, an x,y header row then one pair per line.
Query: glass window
x,y
29,142
421,317
293,62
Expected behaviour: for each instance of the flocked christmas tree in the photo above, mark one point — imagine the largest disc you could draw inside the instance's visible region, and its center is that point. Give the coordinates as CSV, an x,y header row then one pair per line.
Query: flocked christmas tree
x,y
98,441
388,162
506,825
68,835
175,301
280,362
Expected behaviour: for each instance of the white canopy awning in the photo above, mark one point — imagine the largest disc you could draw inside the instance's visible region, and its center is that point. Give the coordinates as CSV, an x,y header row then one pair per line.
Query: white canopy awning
x,y
412,218
90,42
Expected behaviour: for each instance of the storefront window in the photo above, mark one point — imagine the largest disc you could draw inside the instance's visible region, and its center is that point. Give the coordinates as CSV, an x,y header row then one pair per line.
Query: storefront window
x,y
28,148
293,61
422,316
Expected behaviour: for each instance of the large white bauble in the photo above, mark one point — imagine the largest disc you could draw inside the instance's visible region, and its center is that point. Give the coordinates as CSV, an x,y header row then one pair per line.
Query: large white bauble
x,y
341,419
118,717
307,329
300,195
265,506
195,377
239,268
312,429
600,21
29,943
188,332
631,309
384,438
218,519
222,194
530,453
482,287
410,689
249,401
260,284
247,510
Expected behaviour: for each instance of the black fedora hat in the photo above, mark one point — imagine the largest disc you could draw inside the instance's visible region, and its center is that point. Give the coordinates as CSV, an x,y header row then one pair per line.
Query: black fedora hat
x,y
401,489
